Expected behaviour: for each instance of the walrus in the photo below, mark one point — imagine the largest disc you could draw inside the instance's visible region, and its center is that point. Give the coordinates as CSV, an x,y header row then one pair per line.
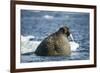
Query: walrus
x,y
56,44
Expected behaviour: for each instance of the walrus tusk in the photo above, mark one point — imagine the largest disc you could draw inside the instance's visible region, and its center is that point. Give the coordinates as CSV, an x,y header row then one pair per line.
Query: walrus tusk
x,y
74,45
71,36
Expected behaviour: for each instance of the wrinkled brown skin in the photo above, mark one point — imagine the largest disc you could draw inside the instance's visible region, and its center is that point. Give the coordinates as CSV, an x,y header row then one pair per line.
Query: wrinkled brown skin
x,y
57,44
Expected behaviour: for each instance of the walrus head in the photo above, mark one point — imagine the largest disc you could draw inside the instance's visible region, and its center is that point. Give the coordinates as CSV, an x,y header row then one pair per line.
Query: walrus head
x,y
65,30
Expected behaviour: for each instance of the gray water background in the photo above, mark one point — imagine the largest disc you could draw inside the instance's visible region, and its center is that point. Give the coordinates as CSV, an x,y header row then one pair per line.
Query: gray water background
x,y
42,23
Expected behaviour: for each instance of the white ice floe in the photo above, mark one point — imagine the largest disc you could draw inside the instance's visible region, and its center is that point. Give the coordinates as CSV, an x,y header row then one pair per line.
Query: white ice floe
x,y
26,38
28,46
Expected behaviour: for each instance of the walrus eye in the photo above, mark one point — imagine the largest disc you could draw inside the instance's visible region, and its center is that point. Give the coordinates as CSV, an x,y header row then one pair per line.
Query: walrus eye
x,y
61,30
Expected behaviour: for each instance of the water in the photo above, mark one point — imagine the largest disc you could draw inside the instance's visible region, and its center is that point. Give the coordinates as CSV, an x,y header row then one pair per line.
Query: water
x,y
40,24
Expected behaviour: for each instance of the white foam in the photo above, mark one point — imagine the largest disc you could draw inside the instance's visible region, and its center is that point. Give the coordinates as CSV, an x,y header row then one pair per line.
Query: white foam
x,y
74,46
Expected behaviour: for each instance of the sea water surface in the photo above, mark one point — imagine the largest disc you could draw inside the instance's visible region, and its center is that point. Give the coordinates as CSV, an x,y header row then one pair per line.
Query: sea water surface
x,y
36,25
